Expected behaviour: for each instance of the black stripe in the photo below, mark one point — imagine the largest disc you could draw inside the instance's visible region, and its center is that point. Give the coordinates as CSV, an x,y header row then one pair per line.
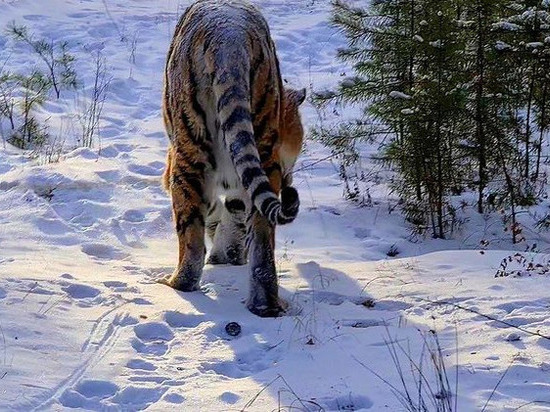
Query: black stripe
x,y
231,94
192,179
260,106
284,220
271,207
212,208
197,107
186,123
259,130
242,139
249,217
248,158
222,78
195,182
211,158
235,205
255,67
274,214
268,205
186,193
205,147
262,188
207,43
249,174
183,222
275,167
184,157
265,146
240,114
233,73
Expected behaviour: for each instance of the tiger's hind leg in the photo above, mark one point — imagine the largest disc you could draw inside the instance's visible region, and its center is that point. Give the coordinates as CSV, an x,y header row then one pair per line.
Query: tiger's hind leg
x,y
264,298
188,190
229,240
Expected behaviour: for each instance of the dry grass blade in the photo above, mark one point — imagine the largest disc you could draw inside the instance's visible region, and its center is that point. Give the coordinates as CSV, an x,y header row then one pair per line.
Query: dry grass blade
x,y
297,400
499,382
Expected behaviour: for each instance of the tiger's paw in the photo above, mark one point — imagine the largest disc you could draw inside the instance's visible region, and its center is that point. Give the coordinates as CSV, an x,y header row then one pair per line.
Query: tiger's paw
x,y
290,201
265,311
181,283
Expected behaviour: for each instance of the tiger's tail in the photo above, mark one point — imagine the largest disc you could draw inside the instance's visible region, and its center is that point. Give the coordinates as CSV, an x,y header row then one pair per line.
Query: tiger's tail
x,y
234,114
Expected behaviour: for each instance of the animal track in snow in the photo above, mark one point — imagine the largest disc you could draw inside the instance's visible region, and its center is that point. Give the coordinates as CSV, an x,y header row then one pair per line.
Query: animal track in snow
x,y
96,388
110,176
174,398
535,305
52,226
103,251
153,331
151,338
77,291
33,17
362,233
103,337
134,216
230,398
391,305
362,323
347,403
145,170
180,320
72,399
247,363
133,397
140,364
114,284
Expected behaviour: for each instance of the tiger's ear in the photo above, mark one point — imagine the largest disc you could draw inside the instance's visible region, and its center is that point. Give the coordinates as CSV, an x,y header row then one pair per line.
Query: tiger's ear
x,y
300,96
297,97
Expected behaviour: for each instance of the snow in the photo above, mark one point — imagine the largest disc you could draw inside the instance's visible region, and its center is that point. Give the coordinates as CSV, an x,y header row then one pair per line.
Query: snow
x,y
395,94
500,45
534,45
506,26
85,325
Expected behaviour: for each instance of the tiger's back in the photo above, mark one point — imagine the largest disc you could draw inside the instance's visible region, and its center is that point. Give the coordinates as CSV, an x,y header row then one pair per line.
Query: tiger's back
x,y
234,129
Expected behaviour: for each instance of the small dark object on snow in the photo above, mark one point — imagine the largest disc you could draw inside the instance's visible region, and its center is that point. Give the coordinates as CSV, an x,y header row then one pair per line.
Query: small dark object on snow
x,y
233,329
369,303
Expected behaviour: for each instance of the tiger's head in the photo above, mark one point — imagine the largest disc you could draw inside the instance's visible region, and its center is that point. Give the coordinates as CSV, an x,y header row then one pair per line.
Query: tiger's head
x,y
292,131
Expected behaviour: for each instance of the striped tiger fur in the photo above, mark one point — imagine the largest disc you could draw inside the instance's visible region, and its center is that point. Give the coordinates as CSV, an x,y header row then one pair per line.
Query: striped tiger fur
x,y
234,131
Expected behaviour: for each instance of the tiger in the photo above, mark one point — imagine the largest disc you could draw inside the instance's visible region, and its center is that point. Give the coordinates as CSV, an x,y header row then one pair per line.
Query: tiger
x,y
235,133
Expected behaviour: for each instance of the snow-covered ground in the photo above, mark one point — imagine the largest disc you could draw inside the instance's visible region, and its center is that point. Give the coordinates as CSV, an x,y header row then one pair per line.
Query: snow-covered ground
x,y
85,325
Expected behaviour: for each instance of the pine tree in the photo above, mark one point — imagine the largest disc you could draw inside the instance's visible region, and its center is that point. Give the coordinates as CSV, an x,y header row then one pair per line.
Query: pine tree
x,y
455,92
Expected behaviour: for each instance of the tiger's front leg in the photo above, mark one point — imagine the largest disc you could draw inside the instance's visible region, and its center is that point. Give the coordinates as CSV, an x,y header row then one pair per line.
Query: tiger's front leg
x,y
187,188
